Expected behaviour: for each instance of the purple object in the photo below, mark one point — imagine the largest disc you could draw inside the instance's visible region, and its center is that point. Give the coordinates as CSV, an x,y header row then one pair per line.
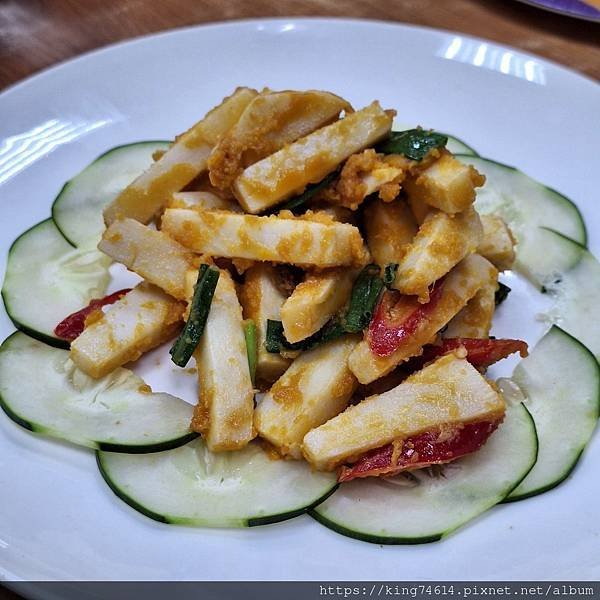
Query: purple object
x,y
572,8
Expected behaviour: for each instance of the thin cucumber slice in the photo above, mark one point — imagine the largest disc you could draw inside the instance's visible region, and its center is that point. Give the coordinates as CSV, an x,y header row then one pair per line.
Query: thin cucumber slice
x,y
457,146
47,279
377,511
546,378
41,390
526,205
193,486
556,255
575,290
77,210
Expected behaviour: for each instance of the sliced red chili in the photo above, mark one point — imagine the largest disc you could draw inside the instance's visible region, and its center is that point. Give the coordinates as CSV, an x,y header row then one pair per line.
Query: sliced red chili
x,y
480,352
437,446
397,318
72,326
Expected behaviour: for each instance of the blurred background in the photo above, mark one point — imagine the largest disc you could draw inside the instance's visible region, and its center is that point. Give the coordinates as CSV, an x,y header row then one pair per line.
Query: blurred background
x,y
35,34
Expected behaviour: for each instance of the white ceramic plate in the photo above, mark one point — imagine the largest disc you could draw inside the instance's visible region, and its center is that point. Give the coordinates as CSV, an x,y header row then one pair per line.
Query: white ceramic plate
x,y
58,518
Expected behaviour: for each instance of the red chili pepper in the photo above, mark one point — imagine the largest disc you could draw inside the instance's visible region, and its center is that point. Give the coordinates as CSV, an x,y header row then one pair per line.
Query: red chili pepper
x,y
480,352
73,326
396,319
438,446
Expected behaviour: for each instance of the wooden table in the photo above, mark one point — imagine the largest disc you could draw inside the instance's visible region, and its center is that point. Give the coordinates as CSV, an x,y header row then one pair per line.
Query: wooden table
x,y
37,33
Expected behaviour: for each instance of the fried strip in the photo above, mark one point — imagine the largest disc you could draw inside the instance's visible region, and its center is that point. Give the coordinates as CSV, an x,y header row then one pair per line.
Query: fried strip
x,y
308,160
270,121
448,392
282,239
181,163
460,285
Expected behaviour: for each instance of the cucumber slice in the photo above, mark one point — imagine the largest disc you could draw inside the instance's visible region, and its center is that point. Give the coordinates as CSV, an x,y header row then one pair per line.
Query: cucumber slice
x,y
546,378
47,279
526,205
457,146
77,210
575,290
556,255
112,413
193,486
377,511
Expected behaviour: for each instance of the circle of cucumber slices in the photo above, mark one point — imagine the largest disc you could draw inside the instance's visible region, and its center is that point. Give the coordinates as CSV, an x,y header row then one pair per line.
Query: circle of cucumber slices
x,y
150,459
193,486
114,413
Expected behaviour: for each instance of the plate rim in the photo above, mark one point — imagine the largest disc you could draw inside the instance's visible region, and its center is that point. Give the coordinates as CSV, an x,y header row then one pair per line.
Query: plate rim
x,y
309,21
306,20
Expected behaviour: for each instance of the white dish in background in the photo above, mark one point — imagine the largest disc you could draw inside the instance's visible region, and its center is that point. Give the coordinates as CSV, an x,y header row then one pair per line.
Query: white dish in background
x,y
59,520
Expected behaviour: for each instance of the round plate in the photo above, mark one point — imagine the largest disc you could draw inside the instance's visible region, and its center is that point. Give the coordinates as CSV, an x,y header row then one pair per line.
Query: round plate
x,y
579,9
59,520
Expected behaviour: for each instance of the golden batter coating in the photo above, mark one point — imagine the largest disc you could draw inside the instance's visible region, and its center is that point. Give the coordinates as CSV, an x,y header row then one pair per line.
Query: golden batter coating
x,y
271,120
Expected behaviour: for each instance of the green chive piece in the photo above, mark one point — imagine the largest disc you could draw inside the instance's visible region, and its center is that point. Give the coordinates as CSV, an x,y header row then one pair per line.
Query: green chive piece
x,y
251,347
389,274
365,294
502,293
311,190
415,144
189,338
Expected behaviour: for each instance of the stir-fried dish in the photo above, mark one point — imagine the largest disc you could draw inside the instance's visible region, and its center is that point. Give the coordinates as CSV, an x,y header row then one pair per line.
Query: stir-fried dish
x,y
332,283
